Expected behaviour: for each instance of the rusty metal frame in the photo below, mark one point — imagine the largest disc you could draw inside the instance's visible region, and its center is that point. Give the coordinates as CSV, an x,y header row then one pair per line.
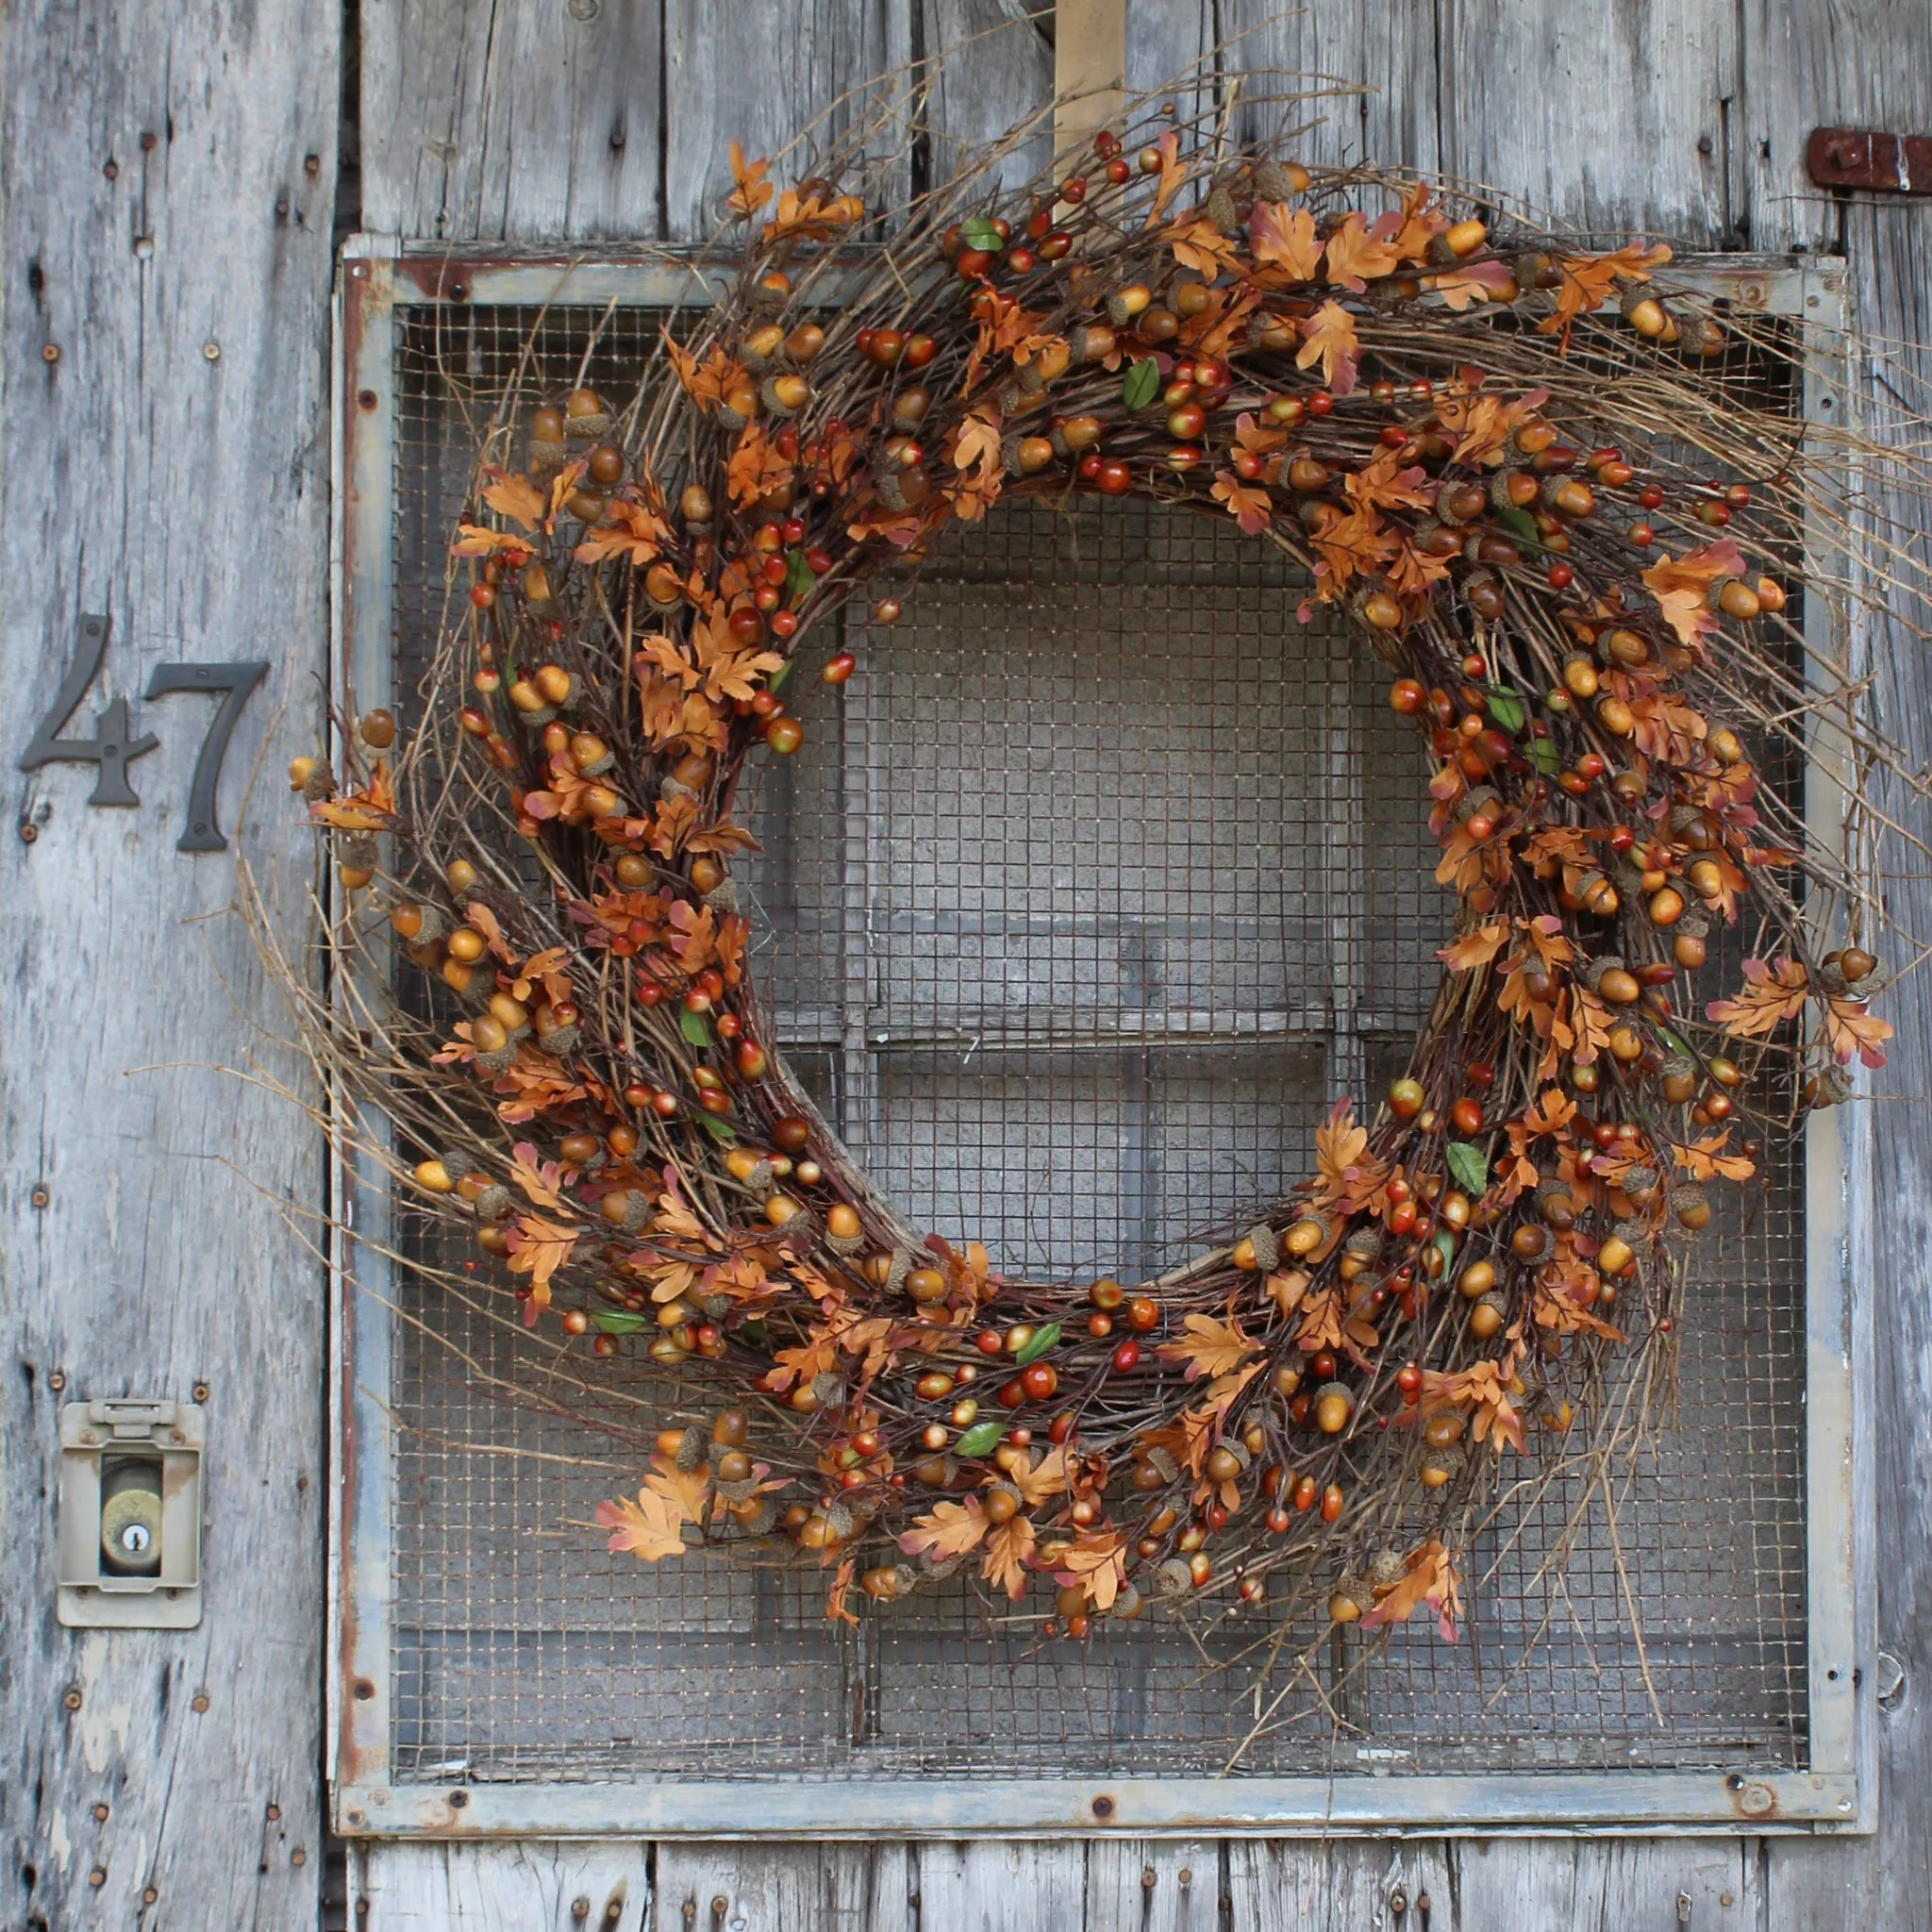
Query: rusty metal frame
x,y
1837,1793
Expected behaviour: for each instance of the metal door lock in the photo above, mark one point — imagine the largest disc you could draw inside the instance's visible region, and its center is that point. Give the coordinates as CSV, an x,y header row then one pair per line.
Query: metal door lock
x,y
130,1515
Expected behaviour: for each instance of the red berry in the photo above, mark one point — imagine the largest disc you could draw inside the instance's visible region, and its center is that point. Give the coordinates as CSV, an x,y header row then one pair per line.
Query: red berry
x,y
1561,576
1127,1358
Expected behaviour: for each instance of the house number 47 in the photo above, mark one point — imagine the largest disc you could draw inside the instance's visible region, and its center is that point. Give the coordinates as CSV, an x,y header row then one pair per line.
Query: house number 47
x,y
114,747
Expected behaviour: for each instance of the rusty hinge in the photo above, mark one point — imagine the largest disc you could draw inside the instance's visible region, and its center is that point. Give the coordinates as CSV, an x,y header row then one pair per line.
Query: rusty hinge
x,y
1849,157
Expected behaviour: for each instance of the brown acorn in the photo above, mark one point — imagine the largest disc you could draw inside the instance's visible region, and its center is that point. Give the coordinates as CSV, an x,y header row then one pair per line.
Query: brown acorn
x,y
585,418
1690,1204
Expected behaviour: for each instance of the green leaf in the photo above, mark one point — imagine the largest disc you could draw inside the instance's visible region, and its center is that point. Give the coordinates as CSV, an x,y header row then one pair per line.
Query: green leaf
x,y
693,1027
1141,383
1508,710
1044,1339
798,576
978,1439
617,1321
1521,525
777,681
719,1130
1469,1166
1544,755
979,232
1444,1245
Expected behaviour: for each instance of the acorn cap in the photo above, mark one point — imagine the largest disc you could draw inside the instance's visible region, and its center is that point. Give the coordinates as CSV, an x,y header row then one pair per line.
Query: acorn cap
x,y
1499,488
903,1263
559,1041
692,1450
1029,378
1009,453
840,1523
491,1064
1220,209
591,428
1365,1242
774,405
738,1492
1640,1184
546,455
494,1202
1272,182
729,419
1127,1603
1162,1464
1387,1569
1174,1580
716,1307
1636,294
637,1213
540,716
1484,798
1267,1249
1693,922
845,1246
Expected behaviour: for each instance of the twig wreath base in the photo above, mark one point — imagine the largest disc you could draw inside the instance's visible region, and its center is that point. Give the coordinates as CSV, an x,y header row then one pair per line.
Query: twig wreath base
x,y
1578,556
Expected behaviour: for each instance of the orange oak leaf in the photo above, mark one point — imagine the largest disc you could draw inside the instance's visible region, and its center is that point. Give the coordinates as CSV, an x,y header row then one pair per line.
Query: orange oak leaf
x,y
1476,948
1355,256
1850,1029
517,499
1278,239
648,1529
1097,1563
1007,1550
753,191
1681,587
685,1490
633,532
1248,506
756,468
949,1530
1771,995
1430,1579
1209,1347
1328,336
539,1248
1704,1160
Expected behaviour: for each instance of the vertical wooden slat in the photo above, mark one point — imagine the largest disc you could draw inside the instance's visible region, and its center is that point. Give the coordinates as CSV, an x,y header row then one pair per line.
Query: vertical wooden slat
x,y
1308,1885
1155,1885
521,122
824,1888
534,1885
1610,119
783,78
163,361
991,70
1003,1885
1356,78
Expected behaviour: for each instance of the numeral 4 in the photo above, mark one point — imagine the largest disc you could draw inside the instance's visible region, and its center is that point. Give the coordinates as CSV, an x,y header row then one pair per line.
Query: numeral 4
x,y
110,749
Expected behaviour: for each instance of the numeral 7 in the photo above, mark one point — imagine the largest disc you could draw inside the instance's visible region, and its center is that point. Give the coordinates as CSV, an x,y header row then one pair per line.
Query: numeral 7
x,y
236,681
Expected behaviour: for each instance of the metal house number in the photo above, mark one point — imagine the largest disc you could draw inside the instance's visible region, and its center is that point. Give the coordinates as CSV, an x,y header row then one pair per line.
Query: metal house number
x,y
114,747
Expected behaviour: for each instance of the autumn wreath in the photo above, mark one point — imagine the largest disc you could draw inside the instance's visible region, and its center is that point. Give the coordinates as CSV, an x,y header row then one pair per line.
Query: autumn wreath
x,y
1579,550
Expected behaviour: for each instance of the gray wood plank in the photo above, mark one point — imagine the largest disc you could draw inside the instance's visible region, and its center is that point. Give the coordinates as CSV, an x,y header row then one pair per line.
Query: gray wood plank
x,y
1359,77
1156,1885
784,78
1609,1885
523,121
815,1888
531,1886
1882,1880
997,1885
170,468
1341,1884
993,70
1611,119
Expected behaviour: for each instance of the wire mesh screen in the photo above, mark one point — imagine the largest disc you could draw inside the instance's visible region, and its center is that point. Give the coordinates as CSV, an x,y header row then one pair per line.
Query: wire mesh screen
x,y
1102,878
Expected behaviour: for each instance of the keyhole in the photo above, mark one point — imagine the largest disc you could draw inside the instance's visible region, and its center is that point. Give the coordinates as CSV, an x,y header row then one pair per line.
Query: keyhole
x,y
135,1538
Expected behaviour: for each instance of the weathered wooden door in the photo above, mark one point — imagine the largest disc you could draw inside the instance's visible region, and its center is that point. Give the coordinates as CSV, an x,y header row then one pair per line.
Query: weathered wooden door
x,y
174,185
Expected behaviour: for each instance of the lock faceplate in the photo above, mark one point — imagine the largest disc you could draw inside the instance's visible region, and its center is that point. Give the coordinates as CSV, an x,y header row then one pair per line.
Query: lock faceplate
x,y
130,1514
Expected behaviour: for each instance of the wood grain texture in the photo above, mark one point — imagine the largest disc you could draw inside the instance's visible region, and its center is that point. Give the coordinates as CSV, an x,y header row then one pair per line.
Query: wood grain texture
x,y
1156,1885
784,78
1348,81
829,1888
519,122
991,68
1612,120
171,468
998,1885
535,1886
